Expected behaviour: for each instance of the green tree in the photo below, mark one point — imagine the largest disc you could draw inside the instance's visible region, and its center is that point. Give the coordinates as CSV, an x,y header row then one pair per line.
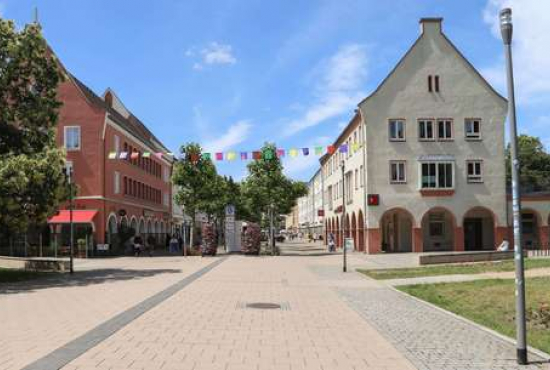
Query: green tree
x,y
32,183
534,164
198,184
266,185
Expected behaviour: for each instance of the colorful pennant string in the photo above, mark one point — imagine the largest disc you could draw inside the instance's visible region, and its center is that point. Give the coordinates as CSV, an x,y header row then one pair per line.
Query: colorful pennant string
x,y
112,155
343,148
280,153
134,155
146,155
305,151
244,156
219,156
206,156
256,155
123,155
231,156
318,150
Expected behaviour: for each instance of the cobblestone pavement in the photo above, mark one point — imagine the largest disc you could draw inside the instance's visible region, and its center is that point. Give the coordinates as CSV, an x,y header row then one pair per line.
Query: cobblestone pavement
x,y
36,317
208,325
430,338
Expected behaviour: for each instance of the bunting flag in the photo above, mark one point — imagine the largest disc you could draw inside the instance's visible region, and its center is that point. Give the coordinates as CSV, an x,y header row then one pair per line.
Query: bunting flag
x,y
231,156
194,158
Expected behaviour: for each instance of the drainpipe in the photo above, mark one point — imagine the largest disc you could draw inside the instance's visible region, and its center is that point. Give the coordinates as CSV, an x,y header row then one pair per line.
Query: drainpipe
x,y
365,220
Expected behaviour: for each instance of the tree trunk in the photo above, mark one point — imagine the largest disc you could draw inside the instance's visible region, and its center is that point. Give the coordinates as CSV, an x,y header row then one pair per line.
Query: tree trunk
x,y
191,232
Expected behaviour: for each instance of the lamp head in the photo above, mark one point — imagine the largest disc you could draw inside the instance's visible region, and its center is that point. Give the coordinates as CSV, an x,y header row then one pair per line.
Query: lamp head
x,y
506,26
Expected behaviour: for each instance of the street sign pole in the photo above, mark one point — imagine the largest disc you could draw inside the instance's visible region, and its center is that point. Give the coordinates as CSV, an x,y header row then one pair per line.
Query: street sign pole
x,y
345,262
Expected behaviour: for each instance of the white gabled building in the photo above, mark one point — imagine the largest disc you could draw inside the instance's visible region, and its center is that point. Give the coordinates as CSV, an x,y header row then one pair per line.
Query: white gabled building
x,y
433,135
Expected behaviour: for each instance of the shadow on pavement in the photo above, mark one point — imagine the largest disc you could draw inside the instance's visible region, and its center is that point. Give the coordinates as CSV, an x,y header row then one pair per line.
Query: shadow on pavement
x,y
80,278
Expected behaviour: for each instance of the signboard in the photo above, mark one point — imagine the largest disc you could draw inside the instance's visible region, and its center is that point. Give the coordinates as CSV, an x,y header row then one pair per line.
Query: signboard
x,y
373,200
349,244
103,247
230,210
231,234
148,213
321,213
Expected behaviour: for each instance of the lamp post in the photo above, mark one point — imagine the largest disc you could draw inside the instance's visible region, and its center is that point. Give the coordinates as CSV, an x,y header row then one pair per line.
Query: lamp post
x,y
69,173
506,29
345,262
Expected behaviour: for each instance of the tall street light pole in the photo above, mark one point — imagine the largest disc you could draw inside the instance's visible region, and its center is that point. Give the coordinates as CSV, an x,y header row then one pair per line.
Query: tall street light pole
x,y
345,262
69,171
506,29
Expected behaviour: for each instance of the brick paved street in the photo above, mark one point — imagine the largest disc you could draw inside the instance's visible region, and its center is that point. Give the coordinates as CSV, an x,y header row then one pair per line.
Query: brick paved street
x,y
171,313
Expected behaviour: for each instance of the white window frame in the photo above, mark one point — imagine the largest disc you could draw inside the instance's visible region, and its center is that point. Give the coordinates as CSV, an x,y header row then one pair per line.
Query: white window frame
x,y
362,173
166,199
437,187
65,130
117,182
476,176
444,121
424,122
473,135
117,144
396,122
399,172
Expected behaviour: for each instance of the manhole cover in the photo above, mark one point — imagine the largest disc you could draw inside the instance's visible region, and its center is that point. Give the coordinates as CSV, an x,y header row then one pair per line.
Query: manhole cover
x,y
263,305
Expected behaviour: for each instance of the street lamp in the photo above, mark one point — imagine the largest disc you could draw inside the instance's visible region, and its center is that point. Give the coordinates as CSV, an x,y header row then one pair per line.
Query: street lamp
x,y
506,29
69,173
345,262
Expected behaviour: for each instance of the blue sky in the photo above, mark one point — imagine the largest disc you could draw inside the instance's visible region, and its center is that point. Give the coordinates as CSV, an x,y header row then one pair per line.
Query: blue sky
x,y
234,74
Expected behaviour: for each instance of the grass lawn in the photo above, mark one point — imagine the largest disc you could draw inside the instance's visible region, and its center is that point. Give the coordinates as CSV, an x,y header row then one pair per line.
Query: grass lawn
x,y
464,268
13,275
491,303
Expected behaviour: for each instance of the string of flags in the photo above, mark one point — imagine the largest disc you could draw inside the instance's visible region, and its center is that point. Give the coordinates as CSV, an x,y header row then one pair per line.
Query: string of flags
x,y
232,155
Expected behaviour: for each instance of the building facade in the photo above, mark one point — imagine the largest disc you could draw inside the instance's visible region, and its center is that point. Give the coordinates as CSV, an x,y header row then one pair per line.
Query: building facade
x,y
117,198
423,161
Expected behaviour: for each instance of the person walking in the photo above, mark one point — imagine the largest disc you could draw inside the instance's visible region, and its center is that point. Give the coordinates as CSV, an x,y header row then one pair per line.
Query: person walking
x,y
331,242
138,245
173,246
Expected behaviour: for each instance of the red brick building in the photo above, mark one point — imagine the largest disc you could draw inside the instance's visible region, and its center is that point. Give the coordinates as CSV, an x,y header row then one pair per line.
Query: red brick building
x,y
116,197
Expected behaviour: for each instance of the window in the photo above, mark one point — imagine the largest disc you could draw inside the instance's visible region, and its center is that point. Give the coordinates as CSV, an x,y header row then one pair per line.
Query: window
x,y
472,128
362,175
430,89
474,169
426,129
117,143
166,174
398,172
433,83
445,129
437,175
356,179
72,137
437,228
397,130
117,182
166,199
436,80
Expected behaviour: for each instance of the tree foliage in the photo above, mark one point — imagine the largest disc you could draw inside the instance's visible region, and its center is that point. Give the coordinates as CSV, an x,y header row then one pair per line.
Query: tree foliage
x,y
267,185
32,182
534,164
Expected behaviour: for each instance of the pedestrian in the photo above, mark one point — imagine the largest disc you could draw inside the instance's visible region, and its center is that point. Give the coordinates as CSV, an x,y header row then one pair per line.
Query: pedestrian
x,y
173,246
331,242
138,245
150,245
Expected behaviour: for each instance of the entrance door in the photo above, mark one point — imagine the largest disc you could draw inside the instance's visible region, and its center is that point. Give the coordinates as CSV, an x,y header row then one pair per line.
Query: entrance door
x,y
473,234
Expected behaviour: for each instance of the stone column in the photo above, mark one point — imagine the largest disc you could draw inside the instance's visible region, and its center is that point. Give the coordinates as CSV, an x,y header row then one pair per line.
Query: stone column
x,y
459,239
418,240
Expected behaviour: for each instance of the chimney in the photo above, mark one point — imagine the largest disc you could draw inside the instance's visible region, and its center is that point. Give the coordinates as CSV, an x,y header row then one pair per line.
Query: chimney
x,y
430,25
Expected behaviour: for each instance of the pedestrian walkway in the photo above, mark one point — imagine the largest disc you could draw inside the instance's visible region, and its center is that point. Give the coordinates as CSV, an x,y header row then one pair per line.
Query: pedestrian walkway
x,y
432,339
209,325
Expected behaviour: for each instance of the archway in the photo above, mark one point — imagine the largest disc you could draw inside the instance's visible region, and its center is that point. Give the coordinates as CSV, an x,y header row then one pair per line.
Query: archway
x,y
396,228
478,225
338,234
112,231
156,231
438,230
347,227
530,223
141,227
354,231
149,228
134,225
361,229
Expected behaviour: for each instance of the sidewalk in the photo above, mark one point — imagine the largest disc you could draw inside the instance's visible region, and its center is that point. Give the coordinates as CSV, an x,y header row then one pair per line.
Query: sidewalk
x,y
209,326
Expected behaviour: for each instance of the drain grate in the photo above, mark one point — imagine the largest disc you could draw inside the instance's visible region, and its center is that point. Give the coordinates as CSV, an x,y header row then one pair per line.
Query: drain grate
x,y
284,306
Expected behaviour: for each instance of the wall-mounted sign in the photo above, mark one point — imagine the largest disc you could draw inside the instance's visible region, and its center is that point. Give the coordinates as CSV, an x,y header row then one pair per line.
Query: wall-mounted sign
x,y
373,199
321,213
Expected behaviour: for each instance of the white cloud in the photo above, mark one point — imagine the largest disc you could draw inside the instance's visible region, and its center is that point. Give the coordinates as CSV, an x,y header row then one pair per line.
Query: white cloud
x,y
218,54
2,9
338,90
236,134
531,56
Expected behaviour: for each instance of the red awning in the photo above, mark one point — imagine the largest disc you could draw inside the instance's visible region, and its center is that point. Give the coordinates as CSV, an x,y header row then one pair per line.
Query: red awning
x,y
79,217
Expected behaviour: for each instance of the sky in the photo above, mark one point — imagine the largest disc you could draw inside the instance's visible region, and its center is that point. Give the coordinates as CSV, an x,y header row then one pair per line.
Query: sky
x,y
233,74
